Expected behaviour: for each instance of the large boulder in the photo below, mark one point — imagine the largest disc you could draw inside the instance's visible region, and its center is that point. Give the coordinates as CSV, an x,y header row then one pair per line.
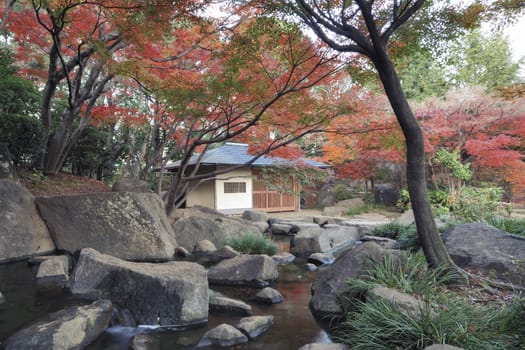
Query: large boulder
x,y
198,223
73,329
485,248
23,233
131,226
244,270
330,284
172,293
322,240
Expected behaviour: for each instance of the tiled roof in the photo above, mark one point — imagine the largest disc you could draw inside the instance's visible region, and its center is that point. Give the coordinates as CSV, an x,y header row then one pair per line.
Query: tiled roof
x,y
237,153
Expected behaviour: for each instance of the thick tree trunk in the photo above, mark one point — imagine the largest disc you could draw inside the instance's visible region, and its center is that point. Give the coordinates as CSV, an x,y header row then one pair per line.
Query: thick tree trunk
x,y
435,251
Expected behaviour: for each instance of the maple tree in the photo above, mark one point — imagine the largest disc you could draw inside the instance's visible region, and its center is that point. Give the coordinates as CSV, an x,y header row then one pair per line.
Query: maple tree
x,y
487,129
75,48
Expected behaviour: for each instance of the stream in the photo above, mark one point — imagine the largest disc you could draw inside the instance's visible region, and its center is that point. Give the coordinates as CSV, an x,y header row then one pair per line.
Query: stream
x,y
294,325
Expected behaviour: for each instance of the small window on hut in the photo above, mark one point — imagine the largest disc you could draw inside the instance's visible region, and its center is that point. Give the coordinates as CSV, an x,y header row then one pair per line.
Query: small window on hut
x,y
235,187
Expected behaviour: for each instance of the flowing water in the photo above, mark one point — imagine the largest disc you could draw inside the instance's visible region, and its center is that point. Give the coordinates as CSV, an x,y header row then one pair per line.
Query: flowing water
x,y
293,325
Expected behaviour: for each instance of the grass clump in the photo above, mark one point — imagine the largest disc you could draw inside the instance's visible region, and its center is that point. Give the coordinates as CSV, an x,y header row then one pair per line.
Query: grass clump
x,y
252,244
406,235
446,317
508,224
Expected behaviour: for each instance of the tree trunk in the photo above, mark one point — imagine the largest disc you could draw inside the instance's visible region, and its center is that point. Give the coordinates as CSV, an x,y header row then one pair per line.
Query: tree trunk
x,y
434,248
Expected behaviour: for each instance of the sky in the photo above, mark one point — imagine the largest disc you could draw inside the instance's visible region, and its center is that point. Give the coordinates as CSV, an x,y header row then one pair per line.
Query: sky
x,y
516,35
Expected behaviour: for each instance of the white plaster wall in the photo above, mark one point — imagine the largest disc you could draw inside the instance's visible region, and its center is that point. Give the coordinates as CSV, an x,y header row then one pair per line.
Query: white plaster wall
x,y
228,201
203,195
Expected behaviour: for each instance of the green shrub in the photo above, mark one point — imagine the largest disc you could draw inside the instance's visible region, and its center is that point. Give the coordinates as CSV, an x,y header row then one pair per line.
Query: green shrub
x,y
476,203
252,244
23,135
511,225
341,192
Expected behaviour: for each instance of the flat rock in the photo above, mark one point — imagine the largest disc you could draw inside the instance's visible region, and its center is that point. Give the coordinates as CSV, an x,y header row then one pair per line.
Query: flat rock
x,y
280,228
23,233
53,273
334,211
223,335
321,258
245,270
403,301
255,325
283,258
324,346
269,295
442,347
323,240
385,242
204,246
130,226
172,293
73,329
222,303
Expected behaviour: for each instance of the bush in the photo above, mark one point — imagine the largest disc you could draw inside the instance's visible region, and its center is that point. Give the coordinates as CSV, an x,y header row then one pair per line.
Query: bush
x,y
406,235
252,244
23,135
341,192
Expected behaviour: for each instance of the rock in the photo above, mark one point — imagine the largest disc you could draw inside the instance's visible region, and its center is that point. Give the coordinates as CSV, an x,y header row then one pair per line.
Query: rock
x,y
72,328
407,218
321,258
385,242
487,249
386,194
298,226
172,293
198,223
7,167
334,211
322,240
130,226
255,216
222,303
204,247
310,267
442,347
182,252
255,325
131,185
328,285
283,258
144,342
23,233
2,298
324,346
223,335
262,226
214,256
280,228
245,270
53,273
269,295
351,203
405,302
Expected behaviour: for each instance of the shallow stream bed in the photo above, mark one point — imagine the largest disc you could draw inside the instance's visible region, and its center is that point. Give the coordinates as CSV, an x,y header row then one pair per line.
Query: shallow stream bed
x,y
293,325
